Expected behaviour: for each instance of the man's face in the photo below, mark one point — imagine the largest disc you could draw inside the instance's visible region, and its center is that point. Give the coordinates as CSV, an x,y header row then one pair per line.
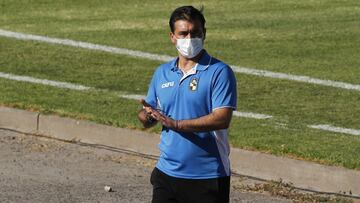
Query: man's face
x,y
186,29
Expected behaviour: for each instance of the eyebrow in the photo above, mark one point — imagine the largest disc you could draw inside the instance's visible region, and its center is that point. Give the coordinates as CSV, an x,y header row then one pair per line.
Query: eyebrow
x,y
197,31
183,32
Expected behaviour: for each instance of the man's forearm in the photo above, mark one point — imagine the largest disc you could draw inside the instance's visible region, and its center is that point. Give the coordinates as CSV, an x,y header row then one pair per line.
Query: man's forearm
x,y
213,121
201,124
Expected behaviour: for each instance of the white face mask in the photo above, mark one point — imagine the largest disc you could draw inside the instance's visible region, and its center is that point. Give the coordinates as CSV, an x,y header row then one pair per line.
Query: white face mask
x,y
189,47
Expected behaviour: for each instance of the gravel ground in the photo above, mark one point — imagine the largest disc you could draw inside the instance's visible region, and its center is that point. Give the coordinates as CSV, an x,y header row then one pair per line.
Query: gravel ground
x,y
37,169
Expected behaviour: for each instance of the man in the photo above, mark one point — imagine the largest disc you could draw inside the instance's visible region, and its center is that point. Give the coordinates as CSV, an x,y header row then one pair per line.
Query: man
x,y
193,97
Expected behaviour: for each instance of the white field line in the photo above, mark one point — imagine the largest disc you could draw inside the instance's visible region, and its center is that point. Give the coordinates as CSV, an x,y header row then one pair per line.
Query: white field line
x,y
251,115
336,129
72,86
132,96
166,58
85,45
298,78
65,85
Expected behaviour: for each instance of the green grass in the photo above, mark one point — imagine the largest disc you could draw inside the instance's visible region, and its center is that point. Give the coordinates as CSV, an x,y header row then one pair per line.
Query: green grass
x,y
313,38
98,106
296,142
68,64
291,102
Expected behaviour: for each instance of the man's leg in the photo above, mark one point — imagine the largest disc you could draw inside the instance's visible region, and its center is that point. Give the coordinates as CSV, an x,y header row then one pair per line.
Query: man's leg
x,y
224,189
162,190
215,190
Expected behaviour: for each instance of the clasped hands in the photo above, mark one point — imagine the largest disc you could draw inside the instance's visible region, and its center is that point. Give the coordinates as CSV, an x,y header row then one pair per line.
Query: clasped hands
x,y
159,116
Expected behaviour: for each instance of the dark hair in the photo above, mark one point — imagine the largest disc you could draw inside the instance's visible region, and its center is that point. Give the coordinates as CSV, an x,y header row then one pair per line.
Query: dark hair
x,y
188,13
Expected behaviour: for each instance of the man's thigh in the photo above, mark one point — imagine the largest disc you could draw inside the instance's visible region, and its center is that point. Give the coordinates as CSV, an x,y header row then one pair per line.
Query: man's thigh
x,y
170,189
207,190
162,190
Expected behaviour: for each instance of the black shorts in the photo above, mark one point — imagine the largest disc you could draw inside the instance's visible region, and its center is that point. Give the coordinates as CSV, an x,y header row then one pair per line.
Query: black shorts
x,y
171,189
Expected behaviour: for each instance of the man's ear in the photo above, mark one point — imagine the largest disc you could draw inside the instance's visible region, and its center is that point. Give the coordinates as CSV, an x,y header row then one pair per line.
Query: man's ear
x,y
204,34
172,38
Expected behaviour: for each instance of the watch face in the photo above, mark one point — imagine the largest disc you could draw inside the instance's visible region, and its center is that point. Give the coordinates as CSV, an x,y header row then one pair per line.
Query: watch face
x,y
193,84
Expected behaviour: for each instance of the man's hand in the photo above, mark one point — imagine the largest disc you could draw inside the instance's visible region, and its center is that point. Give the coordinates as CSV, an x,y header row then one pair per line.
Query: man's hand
x,y
148,115
150,111
152,115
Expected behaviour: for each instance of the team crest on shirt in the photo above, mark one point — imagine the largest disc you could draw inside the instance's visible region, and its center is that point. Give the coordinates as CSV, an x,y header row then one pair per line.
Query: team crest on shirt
x,y
193,84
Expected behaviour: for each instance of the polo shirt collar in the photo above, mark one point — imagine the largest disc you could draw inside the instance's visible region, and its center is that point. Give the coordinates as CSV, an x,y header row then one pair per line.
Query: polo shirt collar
x,y
203,63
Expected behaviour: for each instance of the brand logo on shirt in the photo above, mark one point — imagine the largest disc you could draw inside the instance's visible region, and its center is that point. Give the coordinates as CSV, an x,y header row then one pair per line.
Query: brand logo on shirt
x,y
193,84
167,84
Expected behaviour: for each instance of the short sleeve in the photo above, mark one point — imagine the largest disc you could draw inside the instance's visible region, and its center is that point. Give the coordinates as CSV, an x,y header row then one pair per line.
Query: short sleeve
x,y
151,95
224,90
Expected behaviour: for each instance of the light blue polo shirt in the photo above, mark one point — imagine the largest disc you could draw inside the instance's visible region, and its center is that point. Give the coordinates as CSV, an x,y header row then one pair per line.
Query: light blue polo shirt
x,y
212,85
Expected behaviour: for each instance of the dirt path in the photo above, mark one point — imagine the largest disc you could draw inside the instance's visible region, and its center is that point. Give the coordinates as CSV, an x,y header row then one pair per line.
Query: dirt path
x,y
35,169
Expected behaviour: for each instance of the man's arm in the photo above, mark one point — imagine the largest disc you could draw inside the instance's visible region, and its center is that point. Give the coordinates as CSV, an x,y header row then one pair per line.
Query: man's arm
x,y
218,119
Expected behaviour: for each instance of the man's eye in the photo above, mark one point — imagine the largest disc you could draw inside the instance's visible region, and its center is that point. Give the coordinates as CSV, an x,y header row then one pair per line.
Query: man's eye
x,y
197,34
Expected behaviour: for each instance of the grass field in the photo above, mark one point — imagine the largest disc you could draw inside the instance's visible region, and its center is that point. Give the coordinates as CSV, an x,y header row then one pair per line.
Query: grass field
x,y
313,38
